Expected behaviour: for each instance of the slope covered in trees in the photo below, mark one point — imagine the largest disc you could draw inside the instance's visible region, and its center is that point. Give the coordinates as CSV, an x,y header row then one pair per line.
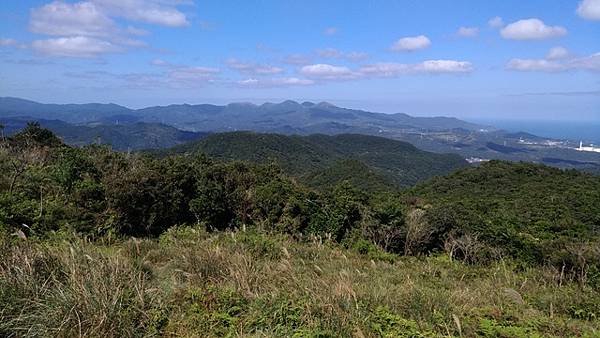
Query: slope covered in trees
x,y
378,162
530,211
505,249
128,136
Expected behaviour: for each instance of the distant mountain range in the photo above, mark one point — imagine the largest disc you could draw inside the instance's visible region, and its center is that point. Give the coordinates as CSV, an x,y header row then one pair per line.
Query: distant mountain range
x,y
133,136
167,126
285,117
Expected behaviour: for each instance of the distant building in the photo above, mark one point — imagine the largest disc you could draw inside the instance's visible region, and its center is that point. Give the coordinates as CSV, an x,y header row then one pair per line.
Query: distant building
x,y
476,160
589,148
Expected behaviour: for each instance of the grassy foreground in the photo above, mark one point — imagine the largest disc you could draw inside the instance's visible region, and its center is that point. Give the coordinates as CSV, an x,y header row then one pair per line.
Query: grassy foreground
x,y
192,283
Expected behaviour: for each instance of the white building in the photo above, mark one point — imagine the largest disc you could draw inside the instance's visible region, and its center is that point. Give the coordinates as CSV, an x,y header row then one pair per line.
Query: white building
x,y
590,148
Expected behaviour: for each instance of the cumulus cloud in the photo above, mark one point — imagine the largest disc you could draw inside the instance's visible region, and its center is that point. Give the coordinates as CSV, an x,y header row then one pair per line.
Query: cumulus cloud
x,y
274,82
468,32
76,46
411,43
556,61
149,11
557,53
532,65
589,9
253,68
531,29
496,22
64,19
329,31
91,24
327,72
386,70
392,69
337,54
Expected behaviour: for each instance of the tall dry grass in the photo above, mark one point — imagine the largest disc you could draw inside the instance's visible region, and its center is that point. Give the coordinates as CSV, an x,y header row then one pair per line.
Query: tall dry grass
x,y
190,283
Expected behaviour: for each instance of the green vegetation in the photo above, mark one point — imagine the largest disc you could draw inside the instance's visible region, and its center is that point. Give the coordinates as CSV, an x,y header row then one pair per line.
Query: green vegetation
x,y
532,212
192,283
321,161
125,137
99,243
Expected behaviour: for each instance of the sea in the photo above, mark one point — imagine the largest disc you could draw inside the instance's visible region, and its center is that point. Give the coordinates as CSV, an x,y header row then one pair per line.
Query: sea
x,y
586,131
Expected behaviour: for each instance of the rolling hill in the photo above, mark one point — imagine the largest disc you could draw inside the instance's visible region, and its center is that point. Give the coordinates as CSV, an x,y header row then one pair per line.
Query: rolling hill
x,y
528,210
321,160
133,136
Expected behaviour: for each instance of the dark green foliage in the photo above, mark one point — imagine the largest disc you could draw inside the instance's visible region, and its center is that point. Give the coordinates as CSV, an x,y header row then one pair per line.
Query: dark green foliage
x,y
320,161
532,213
34,135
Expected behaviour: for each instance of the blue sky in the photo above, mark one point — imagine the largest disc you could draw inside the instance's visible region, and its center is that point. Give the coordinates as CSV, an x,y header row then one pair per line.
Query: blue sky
x,y
535,59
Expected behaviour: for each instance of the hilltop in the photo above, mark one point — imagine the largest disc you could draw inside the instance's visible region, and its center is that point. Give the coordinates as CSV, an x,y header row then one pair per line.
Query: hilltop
x,y
322,161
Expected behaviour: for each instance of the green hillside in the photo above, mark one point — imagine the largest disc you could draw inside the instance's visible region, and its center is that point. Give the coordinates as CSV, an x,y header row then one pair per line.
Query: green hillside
x,y
531,211
378,162
95,242
130,136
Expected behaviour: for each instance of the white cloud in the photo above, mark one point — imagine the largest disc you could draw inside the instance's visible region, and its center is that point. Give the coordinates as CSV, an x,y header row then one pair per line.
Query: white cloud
x,y
7,42
531,29
275,82
64,19
327,72
150,11
444,66
590,63
294,81
496,22
411,43
189,76
253,68
557,53
392,69
587,63
589,9
329,31
535,65
88,28
336,54
386,70
77,46
468,32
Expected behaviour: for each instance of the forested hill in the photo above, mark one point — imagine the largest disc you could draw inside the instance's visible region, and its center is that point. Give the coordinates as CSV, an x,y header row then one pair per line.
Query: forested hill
x,y
500,250
370,161
529,210
128,136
